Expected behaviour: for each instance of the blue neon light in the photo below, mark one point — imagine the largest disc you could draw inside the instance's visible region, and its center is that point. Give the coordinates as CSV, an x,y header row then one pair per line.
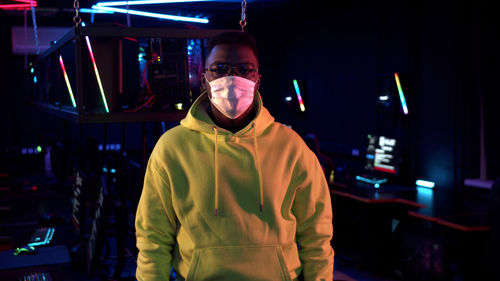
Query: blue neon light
x,y
152,15
423,183
94,11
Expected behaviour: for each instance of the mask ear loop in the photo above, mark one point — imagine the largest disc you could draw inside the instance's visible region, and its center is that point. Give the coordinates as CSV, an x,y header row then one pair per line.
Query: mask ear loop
x,y
203,82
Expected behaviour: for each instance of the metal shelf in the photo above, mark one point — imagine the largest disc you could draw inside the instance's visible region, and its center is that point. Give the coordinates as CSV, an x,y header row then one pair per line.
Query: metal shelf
x,y
69,114
74,42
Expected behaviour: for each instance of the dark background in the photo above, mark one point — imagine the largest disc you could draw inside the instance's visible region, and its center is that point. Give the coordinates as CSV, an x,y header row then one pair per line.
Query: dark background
x,y
446,52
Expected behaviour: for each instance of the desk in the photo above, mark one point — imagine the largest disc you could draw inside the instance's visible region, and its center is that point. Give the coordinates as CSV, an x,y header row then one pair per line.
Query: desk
x,y
426,234
444,207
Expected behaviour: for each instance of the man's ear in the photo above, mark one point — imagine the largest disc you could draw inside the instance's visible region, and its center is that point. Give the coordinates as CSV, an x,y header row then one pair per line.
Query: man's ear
x,y
257,84
204,82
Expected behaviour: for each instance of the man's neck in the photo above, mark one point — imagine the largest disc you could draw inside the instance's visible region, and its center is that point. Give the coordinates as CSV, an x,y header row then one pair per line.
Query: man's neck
x,y
233,125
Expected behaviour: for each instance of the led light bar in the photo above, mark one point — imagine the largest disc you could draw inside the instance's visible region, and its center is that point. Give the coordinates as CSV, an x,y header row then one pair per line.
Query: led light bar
x,y
152,15
103,96
94,11
299,96
46,240
423,183
401,94
145,2
67,81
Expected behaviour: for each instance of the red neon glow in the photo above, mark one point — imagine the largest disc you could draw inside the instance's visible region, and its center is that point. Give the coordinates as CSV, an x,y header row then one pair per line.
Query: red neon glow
x,y
392,171
16,6
130,39
19,5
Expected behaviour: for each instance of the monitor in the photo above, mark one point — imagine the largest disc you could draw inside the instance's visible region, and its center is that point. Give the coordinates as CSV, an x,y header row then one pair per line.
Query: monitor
x,y
382,155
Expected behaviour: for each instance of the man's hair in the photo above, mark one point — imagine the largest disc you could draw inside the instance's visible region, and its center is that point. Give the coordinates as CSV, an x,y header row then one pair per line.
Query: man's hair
x,y
233,37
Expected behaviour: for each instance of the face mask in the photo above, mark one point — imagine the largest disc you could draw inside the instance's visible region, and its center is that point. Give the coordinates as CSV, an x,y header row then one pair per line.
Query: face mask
x,y
232,95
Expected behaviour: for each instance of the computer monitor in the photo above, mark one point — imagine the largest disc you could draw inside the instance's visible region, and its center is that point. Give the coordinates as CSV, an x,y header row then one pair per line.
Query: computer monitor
x,y
382,155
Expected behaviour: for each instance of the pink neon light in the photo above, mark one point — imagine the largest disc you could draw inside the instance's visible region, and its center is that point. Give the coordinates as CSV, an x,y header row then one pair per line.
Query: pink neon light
x,y
62,64
17,6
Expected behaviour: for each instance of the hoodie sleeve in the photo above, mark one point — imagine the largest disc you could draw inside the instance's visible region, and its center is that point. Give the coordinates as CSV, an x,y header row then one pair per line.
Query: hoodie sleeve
x,y
155,225
313,211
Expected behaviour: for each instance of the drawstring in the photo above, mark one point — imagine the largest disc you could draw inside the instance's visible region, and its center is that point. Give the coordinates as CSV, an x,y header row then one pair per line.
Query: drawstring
x,y
216,168
259,171
216,203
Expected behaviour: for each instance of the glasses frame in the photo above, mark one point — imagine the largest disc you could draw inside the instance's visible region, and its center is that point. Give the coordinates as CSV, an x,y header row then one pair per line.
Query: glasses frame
x,y
230,70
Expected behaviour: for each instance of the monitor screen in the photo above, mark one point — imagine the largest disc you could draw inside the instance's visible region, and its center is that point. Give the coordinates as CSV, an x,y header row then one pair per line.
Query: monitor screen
x,y
381,154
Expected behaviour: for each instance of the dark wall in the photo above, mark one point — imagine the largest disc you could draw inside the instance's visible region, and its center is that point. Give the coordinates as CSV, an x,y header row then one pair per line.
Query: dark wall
x,y
443,50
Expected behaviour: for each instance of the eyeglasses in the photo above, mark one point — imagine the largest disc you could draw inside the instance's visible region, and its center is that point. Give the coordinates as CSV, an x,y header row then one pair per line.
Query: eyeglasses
x,y
224,69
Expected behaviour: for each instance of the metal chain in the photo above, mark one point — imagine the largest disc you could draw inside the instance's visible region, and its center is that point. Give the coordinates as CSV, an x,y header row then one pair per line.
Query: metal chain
x,y
76,18
243,21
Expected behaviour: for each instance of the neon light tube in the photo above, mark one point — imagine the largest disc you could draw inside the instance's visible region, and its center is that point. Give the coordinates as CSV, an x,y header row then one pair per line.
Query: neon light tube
x,y
428,184
145,2
67,81
17,6
93,11
401,95
103,96
299,96
152,15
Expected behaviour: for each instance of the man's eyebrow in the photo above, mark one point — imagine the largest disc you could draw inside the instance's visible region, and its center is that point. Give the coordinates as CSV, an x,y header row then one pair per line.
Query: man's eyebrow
x,y
225,62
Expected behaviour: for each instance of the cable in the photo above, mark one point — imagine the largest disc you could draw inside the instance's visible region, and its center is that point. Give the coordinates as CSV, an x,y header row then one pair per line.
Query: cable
x,y
144,73
152,96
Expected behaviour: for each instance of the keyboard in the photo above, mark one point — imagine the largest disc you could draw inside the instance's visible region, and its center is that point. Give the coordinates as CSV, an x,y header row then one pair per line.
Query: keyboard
x,y
36,276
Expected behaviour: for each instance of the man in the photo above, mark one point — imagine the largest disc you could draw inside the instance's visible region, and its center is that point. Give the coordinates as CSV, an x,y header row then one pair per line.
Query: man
x,y
230,194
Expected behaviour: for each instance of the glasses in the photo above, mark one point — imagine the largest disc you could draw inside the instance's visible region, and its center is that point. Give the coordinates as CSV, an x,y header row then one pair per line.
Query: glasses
x,y
224,69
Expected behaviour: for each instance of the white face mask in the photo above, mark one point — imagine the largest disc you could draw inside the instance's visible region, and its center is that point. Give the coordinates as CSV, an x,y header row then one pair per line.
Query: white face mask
x,y
232,95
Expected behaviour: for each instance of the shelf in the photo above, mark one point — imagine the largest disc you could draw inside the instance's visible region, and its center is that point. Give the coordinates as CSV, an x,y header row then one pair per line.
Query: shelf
x,y
116,61
68,113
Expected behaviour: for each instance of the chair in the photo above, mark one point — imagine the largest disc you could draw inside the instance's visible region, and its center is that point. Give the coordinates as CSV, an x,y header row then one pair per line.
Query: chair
x,y
326,162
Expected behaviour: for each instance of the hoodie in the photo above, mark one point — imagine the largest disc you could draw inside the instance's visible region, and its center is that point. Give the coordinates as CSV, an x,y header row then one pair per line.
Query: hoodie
x,y
217,205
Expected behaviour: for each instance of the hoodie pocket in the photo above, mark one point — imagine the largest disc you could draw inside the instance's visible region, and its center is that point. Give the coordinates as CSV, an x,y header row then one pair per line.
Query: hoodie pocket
x,y
238,263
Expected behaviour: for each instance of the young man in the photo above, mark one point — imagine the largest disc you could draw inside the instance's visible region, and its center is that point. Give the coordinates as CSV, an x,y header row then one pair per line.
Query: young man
x,y
230,194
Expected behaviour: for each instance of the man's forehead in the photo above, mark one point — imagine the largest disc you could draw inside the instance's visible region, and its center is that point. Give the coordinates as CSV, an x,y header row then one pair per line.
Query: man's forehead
x,y
232,53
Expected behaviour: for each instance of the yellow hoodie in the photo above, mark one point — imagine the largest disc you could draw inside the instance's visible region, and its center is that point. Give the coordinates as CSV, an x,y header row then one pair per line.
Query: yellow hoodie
x,y
222,206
